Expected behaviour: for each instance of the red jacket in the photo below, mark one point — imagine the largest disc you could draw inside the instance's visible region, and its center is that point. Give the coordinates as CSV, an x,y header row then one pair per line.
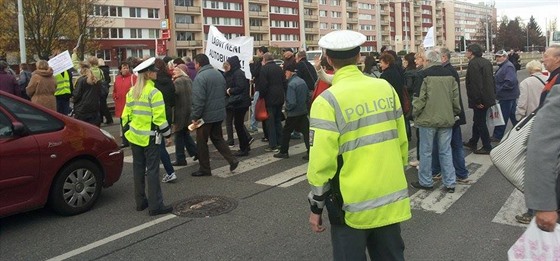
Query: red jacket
x,y
321,86
120,89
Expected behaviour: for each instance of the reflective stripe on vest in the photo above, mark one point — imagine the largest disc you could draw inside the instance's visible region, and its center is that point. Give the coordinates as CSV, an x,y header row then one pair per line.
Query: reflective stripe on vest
x,y
377,202
141,132
319,191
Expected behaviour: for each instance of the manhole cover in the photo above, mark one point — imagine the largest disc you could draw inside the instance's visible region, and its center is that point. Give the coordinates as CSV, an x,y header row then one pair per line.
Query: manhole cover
x,y
204,206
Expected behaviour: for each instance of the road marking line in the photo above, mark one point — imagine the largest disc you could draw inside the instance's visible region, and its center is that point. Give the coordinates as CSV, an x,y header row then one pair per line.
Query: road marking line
x,y
256,162
285,176
439,201
111,238
515,205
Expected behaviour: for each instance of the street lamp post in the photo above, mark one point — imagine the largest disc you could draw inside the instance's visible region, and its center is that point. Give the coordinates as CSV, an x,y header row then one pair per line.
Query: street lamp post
x,y
21,32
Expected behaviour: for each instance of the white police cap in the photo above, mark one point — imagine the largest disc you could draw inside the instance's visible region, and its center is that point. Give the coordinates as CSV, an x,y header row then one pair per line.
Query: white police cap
x,y
147,65
342,44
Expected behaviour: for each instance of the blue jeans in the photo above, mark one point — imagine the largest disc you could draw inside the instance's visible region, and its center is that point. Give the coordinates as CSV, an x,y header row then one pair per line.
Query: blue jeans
x,y
254,122
165,159
443,138
508,112
184,140
274,125
63,105
458,153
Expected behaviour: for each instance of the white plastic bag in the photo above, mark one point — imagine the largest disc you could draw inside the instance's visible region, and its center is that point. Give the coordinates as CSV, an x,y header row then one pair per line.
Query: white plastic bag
x,y
494,116
536,244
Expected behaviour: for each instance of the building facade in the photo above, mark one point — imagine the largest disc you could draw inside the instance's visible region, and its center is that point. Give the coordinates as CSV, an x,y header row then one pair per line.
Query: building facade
x,y
397,24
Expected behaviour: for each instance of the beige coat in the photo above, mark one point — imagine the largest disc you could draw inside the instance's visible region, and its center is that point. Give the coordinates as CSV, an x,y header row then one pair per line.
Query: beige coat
x,y
42,87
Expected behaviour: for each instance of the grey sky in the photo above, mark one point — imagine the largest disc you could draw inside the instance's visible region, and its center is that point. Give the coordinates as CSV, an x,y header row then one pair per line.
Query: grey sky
x,y
542,10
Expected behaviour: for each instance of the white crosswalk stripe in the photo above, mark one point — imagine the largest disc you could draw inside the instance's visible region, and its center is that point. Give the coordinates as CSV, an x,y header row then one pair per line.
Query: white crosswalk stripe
x,y
286,178
515,205
438,200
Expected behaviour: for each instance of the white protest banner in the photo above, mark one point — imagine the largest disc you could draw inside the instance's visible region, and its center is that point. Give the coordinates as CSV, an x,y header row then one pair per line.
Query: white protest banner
x,y
429,39
61,62
219,49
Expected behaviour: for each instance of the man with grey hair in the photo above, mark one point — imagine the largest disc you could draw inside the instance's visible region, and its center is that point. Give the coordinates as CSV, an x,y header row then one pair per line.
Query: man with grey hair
x,y
434,111
271,85
457,151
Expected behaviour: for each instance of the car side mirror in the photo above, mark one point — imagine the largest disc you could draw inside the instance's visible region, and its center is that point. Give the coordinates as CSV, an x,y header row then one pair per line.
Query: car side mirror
x,y
19,129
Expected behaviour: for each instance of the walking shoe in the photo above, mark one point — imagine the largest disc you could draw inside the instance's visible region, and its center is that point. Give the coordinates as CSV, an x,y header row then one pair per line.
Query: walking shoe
x,y
241,153
251,140
414,163
233,165
142,207
281,155
199,173
264,140
482,152
231,146
169,178
179,163
464,181
253,131
450,190
417,185
469,145
269,149
162,210
494,139
195,158
525,218
437,176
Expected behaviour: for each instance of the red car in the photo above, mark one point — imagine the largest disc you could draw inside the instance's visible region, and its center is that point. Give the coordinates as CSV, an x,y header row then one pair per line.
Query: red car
x,y
49,158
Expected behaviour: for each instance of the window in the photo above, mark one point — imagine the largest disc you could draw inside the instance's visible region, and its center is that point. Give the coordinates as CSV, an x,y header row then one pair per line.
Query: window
x,y
366,27
184,2
283,10
5,126
335,2
255,8
223,21
308,24
153,33
116,33
255,22
335,14
307,11
322,13
336,26
231,36
323,25
185,36
135,33
365,17
115,11
184,19
105,54
135,12
258,37
35,120
322,2
222,5
153,13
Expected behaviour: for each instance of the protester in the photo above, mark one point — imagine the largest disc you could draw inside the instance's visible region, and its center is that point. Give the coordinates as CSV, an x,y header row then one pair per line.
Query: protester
x,y
434,113
507,92
191,70
271,87
86,96
105,83
322,67
238,103
530,90
480,87
543,150
23,80
392,73
182,115
42,86
165,85
144,133
208,105
8,82
341,171
305,70
123,81
255,67
297,100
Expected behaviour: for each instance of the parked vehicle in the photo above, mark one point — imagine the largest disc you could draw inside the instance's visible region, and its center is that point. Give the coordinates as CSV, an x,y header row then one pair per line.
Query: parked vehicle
x,y
47,158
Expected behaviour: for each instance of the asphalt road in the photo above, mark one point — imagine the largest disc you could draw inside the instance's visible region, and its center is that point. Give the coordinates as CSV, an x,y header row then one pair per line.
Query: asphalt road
x,y
271,218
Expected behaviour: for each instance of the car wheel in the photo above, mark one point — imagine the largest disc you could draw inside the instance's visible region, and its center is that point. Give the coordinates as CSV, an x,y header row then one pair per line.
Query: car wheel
x,y
76,188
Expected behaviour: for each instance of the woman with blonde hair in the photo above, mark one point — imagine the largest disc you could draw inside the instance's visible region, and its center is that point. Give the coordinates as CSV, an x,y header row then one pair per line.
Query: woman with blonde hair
x,y
144,119
86,96
42,86
530,90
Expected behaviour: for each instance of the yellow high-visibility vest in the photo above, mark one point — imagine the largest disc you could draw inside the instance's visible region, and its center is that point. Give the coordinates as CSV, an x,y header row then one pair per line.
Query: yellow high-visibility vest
x,y
62,83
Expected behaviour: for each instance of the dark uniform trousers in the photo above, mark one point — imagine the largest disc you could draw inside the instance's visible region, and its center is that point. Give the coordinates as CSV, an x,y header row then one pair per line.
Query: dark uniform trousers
x,y
297,123
382,243
145,161
214,132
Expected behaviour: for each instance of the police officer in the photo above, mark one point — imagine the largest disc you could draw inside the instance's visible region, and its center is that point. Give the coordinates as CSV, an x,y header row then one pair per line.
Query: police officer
x,y
144,117
358,152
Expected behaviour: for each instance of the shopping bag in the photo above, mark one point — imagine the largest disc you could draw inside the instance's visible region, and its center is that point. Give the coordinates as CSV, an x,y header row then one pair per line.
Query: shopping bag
x,y
494,116
510,155
536,244
260,110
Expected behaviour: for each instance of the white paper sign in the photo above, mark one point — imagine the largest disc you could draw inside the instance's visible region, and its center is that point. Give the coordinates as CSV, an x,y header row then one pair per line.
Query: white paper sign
x,y
429,39
219,49
61,62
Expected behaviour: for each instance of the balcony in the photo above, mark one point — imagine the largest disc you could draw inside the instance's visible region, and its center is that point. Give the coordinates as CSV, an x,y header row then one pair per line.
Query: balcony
x,y
418,13
311,17
312,30
353,8
352,20
258,14
258,29
386,42
259,1
188,9
307,4
193,43
384,22
261,43
191,27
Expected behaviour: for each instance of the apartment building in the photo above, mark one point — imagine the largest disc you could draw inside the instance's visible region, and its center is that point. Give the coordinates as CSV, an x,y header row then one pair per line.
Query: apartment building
x,y
135,26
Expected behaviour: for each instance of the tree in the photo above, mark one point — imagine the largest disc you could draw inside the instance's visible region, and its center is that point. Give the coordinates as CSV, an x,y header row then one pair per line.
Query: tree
x,y
49,24
534,35
510,35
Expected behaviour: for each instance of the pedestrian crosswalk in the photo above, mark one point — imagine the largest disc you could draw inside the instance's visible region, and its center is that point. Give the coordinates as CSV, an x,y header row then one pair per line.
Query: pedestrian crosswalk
x,y
436,201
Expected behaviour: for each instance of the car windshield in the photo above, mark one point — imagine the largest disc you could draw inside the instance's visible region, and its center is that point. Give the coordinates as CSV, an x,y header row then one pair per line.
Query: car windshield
x,y
34,119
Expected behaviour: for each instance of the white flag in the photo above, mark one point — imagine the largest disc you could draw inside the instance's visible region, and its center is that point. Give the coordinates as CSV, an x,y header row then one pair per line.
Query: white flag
x,y
429,40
